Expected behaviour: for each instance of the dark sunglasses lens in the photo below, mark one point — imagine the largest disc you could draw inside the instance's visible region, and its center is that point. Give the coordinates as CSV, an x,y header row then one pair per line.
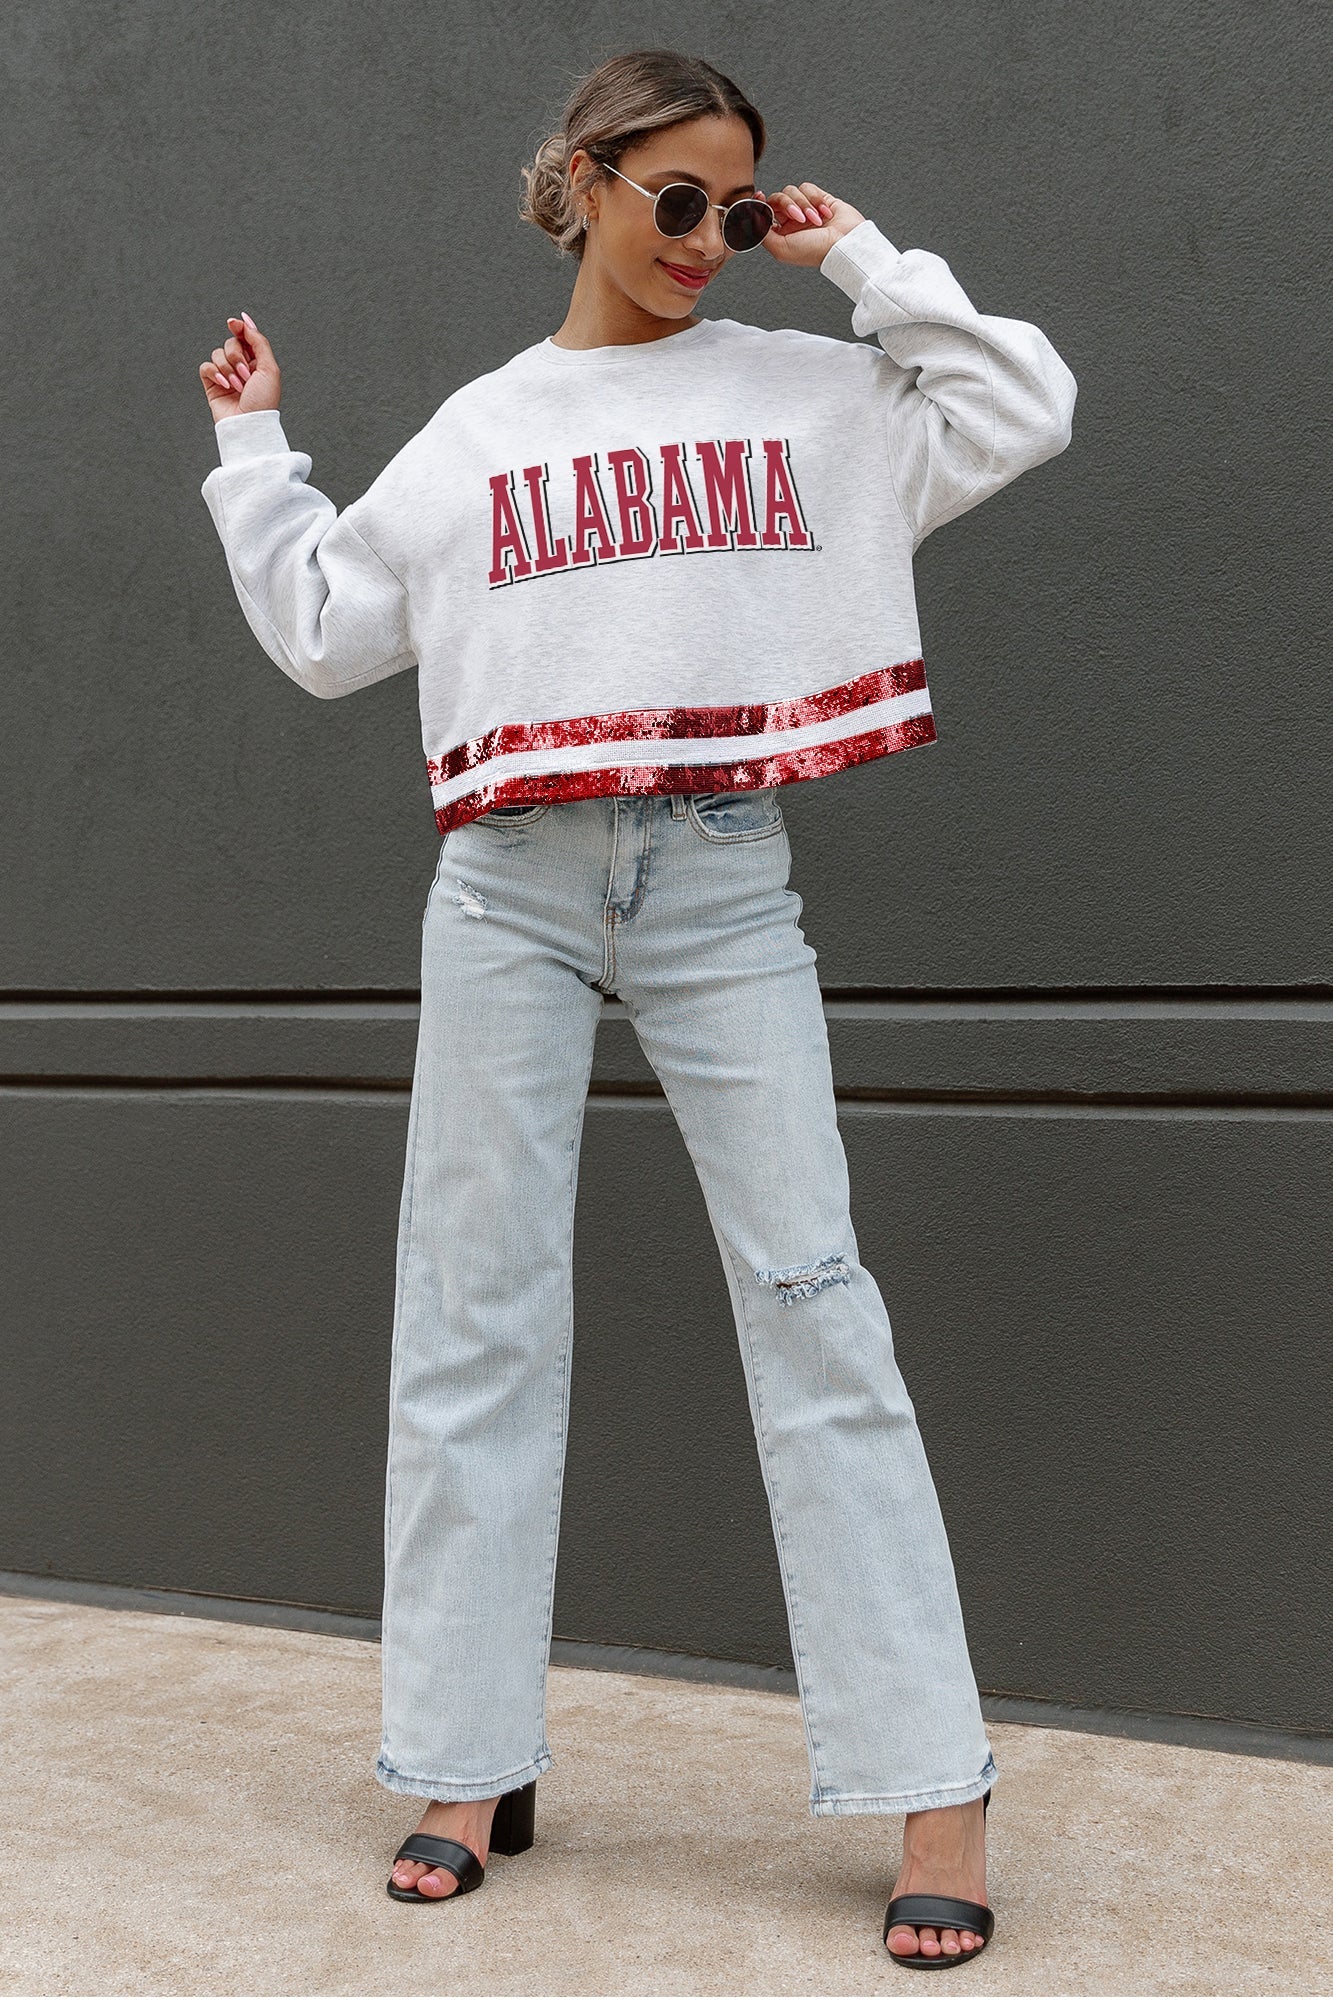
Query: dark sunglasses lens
x,y
680,208
747,223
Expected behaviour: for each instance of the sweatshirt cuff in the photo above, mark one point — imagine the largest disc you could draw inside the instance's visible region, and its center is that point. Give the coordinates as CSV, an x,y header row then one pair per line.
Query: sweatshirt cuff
x,y
864,253
249,434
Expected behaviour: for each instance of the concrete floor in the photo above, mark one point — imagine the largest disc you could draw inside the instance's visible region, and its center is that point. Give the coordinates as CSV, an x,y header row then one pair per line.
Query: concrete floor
x,y
190,1809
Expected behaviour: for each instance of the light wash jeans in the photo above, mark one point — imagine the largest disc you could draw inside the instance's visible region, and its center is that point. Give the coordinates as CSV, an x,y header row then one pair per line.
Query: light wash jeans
x,y
679,905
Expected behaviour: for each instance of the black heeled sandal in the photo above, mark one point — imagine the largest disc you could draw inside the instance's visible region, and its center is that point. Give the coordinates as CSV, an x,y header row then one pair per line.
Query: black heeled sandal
x,y
511,1833
941,1913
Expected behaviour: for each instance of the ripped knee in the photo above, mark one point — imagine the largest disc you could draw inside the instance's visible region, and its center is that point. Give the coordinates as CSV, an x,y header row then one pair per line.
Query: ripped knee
x,y
802,1281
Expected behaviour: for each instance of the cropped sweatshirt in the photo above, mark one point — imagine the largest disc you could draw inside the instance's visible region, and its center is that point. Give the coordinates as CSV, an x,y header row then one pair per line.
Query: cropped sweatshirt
x,y
678,565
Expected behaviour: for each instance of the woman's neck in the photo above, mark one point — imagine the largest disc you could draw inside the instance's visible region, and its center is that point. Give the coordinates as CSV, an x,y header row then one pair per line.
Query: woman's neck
x,y
602,315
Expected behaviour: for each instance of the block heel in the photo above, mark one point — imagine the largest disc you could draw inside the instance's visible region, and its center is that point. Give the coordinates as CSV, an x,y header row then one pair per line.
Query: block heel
x,y
513,1828
512,1832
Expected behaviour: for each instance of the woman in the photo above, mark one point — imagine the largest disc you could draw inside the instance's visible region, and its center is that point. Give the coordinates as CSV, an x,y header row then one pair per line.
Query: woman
x,y
652,569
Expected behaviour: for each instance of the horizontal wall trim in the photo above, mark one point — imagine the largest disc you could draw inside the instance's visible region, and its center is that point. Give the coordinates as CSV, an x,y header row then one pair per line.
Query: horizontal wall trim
x,y
1200,1732
297,1090
189,1604
302,996
244,1086
1259,1052
1034,1004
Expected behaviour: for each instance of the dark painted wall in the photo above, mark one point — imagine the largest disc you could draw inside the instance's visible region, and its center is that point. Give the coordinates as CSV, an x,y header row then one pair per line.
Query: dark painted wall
x,y
1079,954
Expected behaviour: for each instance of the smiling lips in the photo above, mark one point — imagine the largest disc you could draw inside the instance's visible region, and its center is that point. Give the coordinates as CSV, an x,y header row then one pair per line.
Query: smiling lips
x,y
684,274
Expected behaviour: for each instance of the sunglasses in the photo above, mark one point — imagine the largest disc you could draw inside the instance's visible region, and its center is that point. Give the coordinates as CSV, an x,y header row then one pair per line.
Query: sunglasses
x,y
680,207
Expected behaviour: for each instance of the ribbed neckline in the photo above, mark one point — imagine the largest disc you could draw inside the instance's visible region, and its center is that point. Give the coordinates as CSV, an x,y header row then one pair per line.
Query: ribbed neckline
x,y
628,354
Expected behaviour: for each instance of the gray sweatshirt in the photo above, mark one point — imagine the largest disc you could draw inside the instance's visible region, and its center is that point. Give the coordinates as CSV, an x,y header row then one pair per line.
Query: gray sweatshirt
x,y
681,565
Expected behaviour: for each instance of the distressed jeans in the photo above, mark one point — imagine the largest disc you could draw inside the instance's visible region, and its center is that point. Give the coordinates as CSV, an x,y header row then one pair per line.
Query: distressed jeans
x,y
679,906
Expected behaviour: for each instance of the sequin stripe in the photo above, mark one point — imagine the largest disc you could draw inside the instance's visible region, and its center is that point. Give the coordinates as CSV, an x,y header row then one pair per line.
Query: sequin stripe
x,y
657,725
816,760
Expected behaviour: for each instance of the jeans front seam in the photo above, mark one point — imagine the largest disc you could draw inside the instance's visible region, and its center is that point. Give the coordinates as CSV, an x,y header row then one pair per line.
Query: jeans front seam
x,y
607,980
640,889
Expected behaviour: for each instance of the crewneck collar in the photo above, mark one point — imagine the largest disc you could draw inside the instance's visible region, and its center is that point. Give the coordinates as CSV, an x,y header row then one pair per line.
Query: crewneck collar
x,y
627,354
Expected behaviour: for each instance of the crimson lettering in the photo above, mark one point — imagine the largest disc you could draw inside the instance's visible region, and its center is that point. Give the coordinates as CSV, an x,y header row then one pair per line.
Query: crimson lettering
x,y
675,500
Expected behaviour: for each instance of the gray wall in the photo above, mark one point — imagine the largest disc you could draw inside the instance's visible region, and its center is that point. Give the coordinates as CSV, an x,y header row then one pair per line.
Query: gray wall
x,y
1078,956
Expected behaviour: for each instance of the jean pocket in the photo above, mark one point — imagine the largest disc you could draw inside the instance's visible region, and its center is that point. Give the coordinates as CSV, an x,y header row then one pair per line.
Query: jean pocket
x,y
723,817
515,815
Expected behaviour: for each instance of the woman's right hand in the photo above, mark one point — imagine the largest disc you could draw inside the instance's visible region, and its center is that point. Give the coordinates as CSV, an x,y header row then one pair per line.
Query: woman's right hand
x,y
242,374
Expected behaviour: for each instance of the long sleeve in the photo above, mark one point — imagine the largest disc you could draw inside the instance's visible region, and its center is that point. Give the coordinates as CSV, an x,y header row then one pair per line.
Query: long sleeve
x,y
972,401
322,603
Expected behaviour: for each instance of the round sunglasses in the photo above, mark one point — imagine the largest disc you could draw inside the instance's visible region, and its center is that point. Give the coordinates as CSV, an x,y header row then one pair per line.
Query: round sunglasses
x,y
681,206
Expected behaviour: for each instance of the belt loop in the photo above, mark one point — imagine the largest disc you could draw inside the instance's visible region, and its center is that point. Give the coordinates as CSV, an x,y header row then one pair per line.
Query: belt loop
x,y
678,805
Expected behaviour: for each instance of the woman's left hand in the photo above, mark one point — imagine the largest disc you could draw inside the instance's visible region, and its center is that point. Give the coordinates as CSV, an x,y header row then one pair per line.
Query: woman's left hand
x,y
807,223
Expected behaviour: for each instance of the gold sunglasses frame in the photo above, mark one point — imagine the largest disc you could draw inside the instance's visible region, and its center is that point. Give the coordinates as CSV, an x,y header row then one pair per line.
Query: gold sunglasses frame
x,y
724,209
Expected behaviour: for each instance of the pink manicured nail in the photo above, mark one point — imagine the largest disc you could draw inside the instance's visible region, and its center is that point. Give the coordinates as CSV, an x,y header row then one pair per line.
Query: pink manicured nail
x,y
237,385
242,371
249,322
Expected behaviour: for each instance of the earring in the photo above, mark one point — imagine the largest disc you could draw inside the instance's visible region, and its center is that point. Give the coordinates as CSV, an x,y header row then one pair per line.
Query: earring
x,y
585,222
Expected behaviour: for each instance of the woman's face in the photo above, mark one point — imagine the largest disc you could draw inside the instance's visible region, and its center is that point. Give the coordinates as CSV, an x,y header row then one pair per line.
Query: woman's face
x,y
623,244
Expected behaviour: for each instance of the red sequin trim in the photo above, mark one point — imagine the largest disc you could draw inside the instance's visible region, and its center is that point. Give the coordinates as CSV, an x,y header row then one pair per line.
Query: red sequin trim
x,y
786,768
655,725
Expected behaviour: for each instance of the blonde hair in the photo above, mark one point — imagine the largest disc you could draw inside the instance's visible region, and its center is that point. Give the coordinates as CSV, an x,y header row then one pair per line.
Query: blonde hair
x,y
615,105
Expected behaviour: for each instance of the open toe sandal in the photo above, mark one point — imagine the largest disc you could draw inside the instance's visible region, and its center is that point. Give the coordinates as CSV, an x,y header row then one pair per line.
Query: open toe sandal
x,y
511,1833
941,1913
